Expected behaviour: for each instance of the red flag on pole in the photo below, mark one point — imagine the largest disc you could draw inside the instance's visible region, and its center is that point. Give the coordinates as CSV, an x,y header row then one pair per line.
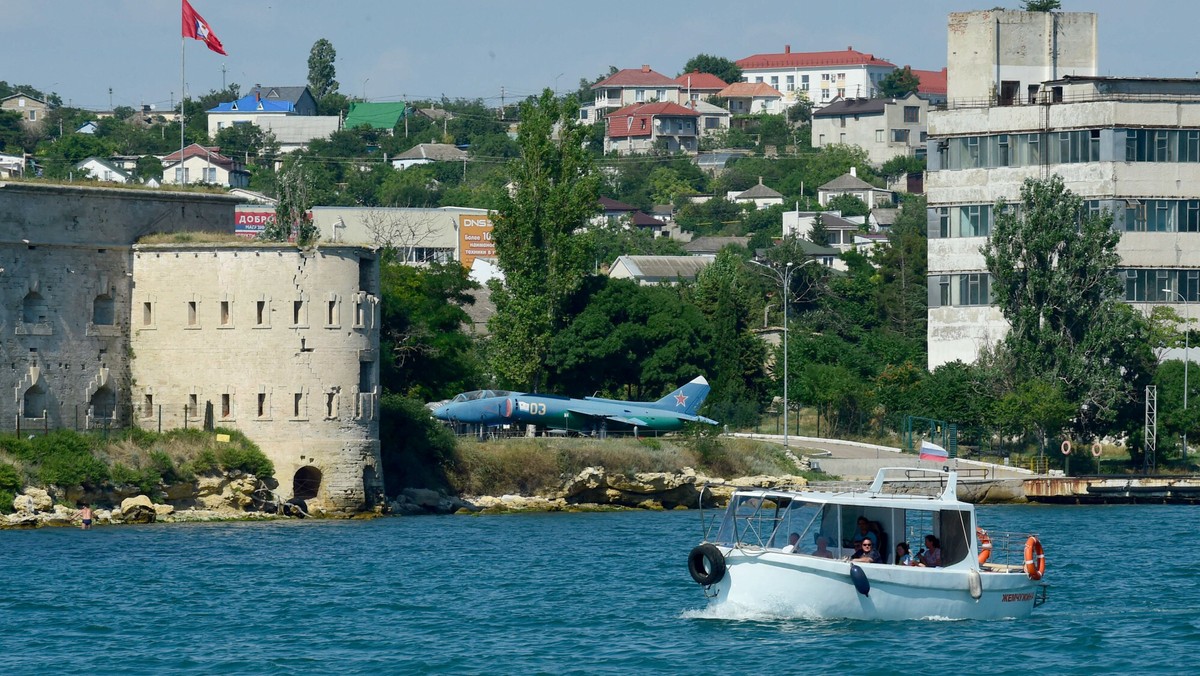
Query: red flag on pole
x,y
195,27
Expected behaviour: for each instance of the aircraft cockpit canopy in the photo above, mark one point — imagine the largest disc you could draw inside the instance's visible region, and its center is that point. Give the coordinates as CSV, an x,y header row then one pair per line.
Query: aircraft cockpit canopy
x,y
479,394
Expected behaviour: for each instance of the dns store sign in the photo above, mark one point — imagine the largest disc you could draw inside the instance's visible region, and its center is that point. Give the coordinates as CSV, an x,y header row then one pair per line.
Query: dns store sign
x,y
474,238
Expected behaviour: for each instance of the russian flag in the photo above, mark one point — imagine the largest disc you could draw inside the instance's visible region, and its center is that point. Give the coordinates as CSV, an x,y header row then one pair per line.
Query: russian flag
x,y
931,451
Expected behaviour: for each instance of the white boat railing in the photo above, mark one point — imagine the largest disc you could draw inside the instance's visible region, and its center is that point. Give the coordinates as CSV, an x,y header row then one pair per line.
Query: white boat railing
x,y
1008,550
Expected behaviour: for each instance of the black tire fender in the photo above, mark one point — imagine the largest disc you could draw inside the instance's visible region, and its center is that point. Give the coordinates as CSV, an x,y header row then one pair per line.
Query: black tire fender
x,y
715,568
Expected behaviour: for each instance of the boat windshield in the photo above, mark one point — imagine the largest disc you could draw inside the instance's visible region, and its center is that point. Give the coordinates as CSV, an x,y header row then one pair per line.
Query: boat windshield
x,y
794,525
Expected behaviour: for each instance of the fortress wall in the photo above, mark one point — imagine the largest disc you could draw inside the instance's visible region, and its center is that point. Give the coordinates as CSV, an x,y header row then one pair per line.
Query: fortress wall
x,y
284,345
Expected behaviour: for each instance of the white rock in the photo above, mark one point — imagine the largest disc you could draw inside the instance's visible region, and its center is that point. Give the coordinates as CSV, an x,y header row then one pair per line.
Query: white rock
x,y
42,502
23,504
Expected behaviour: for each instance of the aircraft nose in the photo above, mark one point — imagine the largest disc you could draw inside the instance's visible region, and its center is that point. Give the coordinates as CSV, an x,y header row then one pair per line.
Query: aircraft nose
x,y
442,412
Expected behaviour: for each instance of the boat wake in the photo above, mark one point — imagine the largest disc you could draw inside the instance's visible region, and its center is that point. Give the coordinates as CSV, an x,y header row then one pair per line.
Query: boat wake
x,y
739,613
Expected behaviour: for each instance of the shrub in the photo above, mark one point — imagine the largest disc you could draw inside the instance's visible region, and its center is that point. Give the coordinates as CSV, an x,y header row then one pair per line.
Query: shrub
x,y
146,479
247,459
204,462
416,449
10,483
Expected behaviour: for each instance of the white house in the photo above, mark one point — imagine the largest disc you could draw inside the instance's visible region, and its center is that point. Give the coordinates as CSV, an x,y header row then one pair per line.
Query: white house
x,y
204,165
851,184
885,128
759,195
749,98
658,269
818,76
103,170
425,153
628,87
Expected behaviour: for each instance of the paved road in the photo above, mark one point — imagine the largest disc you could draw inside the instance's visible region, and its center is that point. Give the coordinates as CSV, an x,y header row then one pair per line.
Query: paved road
x,y
852,460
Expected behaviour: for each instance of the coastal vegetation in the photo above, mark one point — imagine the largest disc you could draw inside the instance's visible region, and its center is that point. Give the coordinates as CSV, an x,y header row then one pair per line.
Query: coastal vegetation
x,y
146,460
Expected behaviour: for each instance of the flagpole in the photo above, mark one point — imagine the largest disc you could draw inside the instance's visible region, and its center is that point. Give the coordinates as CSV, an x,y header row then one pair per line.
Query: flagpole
x,y
182,84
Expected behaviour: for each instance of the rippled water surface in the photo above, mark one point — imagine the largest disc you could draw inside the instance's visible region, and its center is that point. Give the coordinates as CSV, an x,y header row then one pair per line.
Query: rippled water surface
x,y
553,593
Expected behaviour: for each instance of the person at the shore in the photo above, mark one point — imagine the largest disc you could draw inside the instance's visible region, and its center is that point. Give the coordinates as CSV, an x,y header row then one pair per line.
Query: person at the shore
x,y
904,555
793,540
85,515
868,553
823,548
931,556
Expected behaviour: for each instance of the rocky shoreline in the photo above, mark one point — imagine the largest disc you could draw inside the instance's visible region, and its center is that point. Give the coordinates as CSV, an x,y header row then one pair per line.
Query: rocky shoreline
x,y
596,489
211,497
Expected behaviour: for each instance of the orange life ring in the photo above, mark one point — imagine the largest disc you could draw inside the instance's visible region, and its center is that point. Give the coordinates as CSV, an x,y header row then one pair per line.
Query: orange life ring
x,y
1035,559
985,545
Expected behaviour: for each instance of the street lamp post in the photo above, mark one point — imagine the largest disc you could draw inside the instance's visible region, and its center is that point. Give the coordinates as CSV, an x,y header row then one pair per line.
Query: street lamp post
x,y
1187,322
785,280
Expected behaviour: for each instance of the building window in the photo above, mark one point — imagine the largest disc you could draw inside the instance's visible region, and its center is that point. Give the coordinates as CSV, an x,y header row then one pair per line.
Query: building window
x,y
225,316
260,313
775,81
1146,286
899,136
804,82
791,83
33,115
943,290
193,406
148,405
944,223
973,289
330,405
193,317
639,95
912,114
975,220
297,313
262,404
226,405
298,405
331,313
879,136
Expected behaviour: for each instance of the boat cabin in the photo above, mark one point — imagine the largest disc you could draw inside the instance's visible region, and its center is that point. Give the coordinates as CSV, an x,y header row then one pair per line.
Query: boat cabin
x,y
767,519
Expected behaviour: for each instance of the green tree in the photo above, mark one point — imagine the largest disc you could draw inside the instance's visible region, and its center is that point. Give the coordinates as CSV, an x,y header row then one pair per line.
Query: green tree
x,y
899,83
425,353
249,142
720,66
902,269
1041,5
292,219
12,135
818,235
555,194
1038,406
1053,270
901,165
321,69
848,205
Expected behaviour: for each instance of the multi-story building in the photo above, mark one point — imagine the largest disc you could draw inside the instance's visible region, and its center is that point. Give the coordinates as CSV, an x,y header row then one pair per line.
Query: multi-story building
x,y
643,127
819,76
629,86
885,128
1130,146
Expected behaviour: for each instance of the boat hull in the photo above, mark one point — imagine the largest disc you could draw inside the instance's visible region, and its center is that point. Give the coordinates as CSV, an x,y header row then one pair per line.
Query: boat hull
x,y
789,585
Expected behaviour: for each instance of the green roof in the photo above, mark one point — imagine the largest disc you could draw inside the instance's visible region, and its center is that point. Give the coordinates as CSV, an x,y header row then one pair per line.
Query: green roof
x,y
375,115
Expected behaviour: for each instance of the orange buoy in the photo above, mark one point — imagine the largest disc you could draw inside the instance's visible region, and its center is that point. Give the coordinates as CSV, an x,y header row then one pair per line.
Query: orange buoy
x,y
985,545
1035,559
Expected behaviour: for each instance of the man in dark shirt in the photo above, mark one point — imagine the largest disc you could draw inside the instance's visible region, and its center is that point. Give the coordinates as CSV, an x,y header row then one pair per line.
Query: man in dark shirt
x,y
869,555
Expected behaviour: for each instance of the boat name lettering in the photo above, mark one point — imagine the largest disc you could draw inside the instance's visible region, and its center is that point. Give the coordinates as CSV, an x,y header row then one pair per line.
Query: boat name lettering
x,y
1008,598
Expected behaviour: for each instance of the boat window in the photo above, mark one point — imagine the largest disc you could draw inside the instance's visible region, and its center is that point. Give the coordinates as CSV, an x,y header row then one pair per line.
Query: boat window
x,y
956,534
751,520
803,519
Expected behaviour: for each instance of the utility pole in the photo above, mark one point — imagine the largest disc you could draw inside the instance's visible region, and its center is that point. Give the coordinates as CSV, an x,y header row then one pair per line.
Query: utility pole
x,y
223,77
110,99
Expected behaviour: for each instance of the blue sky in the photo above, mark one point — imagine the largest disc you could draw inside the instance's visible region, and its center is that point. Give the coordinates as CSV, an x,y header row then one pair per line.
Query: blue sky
x,y
392,49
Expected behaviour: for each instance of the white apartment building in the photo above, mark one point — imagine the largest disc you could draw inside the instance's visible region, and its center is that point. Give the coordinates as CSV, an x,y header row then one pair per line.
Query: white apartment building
x,y
885,128
1130,146
819,76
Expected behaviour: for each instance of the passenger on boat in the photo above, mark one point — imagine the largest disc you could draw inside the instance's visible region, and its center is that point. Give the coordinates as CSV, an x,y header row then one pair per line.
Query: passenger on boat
x,y
822,548
864,533
904,555
790,548
869,554
931,555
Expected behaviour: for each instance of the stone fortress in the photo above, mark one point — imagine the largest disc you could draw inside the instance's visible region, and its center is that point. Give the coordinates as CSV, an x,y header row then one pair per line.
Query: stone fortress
x,y
283,343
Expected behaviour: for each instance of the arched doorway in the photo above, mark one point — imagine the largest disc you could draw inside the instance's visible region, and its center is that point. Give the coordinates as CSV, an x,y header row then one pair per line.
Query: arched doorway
x,y
35,402
371,490
306,483
103,403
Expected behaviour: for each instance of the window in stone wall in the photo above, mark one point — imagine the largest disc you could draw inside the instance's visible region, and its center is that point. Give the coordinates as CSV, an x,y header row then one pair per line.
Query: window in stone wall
x,y
330,404
226,405
331,312
260,313
298,405
298,313
358,311
103,403
193,405
148,405
33,308
262,404
147,313
102,310
193,317
226,316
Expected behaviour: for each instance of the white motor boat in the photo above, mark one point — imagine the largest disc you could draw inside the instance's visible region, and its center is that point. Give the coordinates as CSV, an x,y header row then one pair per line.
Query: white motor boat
x,y
750,565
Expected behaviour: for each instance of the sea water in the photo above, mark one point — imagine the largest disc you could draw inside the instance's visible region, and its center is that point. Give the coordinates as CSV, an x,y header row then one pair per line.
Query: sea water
x,y
552,594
